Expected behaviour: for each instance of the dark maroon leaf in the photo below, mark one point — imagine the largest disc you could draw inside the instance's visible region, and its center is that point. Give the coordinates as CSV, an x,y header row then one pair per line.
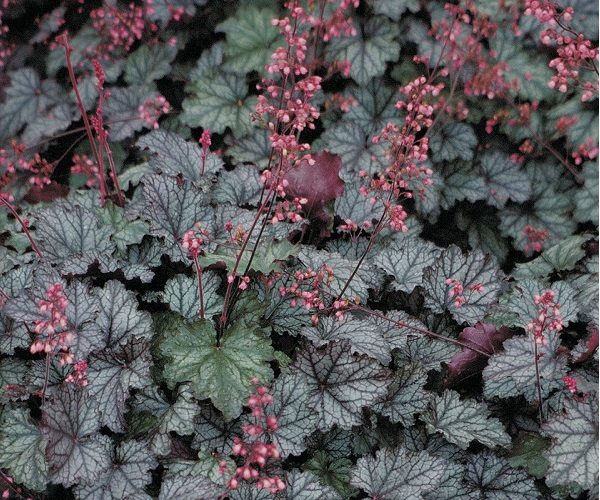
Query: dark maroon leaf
x,y
483,337
318,183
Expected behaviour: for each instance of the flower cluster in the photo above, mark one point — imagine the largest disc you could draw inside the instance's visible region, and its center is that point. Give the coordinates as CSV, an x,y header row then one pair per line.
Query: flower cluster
x,y
305,290
12,163
457,290
194,239
120,28
255,449
548,318
84,165
52,333
205,143
152,109
78,375
575,53
535,239
407,151
463,36
570,384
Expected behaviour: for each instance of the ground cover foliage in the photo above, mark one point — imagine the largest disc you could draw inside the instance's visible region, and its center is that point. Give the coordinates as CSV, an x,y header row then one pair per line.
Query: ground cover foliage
x,y
320,249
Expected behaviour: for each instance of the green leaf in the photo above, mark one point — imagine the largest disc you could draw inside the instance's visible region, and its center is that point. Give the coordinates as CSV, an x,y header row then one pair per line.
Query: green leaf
x,y
527,68
512,372
368,50
489,476
481,227
527,451
128,476
218,104
561,257
149,63
461,184
266,258
573,455
399,473
250,39
453,141
470,270
181,293
76,453
173,155
22,449
124,232
405,260
549,209
332,471
207,465
220,370
340,384
112,373
462,421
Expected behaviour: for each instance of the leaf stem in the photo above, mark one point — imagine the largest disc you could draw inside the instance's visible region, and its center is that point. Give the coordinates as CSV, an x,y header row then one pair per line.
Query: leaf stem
x,y
200,288
64,41
23,226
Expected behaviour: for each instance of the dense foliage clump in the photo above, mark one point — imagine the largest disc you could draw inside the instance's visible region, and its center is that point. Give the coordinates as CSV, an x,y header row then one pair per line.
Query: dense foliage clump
x,y
313,249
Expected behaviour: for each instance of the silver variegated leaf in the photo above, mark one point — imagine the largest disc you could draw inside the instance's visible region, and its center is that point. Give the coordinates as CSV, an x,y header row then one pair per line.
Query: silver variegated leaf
x,y
405,260
76,453
398,474
127,478
363,335
573,455
181,293
340,384
476,272
462,421
112,373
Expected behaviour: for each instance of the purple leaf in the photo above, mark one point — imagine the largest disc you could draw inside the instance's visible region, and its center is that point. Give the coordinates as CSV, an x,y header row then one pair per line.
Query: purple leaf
x,y
483,337
318,183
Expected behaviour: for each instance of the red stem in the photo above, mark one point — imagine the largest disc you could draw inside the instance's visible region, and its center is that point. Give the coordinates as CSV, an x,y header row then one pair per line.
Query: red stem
x,y
64,41
200,288
23,226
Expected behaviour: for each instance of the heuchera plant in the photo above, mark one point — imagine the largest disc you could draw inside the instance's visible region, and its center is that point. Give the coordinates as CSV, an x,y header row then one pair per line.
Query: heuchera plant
x,y
305,249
